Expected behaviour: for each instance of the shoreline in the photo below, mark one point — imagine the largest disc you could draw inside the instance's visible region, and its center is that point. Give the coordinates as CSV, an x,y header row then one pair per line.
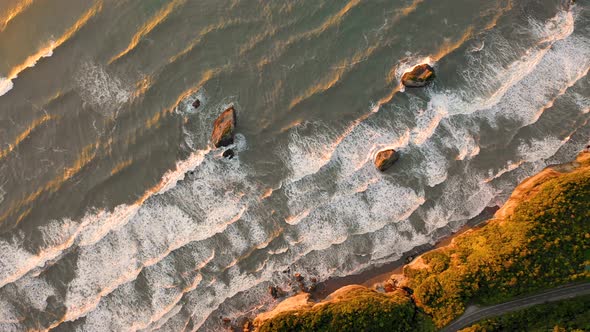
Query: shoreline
x,y
379,274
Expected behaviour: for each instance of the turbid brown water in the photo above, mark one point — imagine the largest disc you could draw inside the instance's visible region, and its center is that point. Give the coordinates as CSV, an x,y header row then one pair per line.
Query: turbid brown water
x,y
116,214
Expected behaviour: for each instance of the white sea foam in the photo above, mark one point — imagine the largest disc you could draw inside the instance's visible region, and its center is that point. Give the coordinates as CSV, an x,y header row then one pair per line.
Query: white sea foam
x,y
535,93
160,282
102,90
493,72
156,230
9,317
7,83
434,166
428,120
16,261
237,242
305,154
186,106
388,244
461,137
581,101
353,256
168,317
36,291
537,150
472,204
356,214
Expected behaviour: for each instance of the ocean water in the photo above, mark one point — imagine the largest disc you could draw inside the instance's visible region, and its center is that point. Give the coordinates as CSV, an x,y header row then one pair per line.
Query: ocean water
x,y
117,215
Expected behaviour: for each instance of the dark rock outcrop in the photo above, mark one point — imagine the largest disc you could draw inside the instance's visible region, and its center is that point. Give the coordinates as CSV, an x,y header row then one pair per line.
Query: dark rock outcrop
x,y
386,159
275,292
419,76
229,154
197,103
223,128
248,326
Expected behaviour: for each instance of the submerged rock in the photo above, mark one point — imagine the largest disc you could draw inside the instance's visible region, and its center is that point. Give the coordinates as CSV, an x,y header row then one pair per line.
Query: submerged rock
x,y
298,277
223,128
419,76
275,292
386,159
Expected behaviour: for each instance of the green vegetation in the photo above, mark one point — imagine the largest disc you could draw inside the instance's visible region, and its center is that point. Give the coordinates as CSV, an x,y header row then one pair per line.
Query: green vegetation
x,y
541,245
567,315
360,309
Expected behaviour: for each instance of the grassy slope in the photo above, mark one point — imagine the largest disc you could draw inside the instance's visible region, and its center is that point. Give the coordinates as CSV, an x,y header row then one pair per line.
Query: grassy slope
x,y
361,309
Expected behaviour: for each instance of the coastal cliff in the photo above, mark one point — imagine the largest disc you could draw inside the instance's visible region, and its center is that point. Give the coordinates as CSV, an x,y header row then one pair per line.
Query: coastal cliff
x,y
537,240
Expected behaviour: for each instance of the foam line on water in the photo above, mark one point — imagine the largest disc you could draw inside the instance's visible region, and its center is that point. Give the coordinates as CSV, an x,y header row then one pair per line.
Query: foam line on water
x,y
6,83
155,239
495,78
101,89
163,304
232,268
16,261
61,235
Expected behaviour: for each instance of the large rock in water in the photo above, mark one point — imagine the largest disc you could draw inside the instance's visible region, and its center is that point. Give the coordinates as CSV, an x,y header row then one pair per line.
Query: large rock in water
x,y
419,76
385,159
223,128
